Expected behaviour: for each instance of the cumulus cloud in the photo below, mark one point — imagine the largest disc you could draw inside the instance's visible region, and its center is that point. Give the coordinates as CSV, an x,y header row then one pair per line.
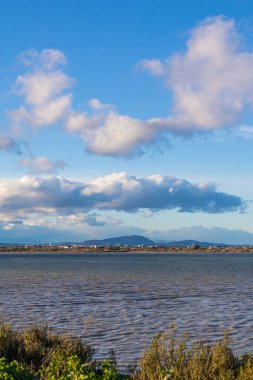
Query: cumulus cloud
x,y
120,192
43,88
41,165
212,81
110,133
39,87
211,84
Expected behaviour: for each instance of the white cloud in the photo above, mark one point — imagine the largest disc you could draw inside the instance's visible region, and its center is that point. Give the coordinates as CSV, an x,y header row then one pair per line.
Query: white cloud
x,y
211,84
43,88
41,165
110,133
212,81
51,112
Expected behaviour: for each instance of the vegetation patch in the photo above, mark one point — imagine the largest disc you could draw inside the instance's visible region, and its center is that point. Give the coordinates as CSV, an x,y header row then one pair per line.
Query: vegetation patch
x,y
39,354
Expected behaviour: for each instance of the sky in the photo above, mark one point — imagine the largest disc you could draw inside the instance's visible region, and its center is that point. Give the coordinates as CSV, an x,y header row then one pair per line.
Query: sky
x,y
126,117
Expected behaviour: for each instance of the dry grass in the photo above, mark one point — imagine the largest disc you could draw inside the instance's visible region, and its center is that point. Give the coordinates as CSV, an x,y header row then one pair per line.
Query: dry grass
x,y
36,346
179,359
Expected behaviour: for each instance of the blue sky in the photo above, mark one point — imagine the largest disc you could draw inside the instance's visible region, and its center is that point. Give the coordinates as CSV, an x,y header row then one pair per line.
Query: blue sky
x,y
126,117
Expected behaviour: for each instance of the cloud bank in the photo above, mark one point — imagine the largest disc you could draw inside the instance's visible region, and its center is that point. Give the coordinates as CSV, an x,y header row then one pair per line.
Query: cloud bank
x,y
118,191
77,232
211,84
207,234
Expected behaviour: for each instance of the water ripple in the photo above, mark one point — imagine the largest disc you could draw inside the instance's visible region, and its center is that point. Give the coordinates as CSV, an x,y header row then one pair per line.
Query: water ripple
x,y
122,300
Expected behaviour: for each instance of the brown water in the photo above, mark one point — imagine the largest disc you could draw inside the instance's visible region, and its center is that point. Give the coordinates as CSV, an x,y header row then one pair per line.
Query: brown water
x,y
122,300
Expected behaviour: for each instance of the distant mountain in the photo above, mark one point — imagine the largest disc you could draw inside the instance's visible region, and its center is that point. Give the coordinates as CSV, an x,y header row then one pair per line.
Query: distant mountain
x,y
133,240
189,243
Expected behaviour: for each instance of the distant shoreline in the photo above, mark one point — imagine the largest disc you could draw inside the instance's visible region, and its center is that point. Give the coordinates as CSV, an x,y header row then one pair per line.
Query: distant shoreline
x,y
148,250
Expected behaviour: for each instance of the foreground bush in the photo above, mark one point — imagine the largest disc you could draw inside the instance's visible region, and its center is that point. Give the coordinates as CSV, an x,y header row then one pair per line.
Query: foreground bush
x,y
175,359
37,345
39,354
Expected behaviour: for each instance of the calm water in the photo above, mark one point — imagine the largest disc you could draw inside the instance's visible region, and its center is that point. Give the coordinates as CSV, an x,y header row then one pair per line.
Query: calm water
x,y
121,300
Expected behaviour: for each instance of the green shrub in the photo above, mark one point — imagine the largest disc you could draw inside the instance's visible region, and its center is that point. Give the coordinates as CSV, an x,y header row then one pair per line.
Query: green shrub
x,y
63,368
39,344
13,371
168,358
36,346
38,353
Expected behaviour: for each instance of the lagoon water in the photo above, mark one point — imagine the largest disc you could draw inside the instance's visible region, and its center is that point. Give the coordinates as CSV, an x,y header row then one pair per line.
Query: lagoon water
x,y
119,301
